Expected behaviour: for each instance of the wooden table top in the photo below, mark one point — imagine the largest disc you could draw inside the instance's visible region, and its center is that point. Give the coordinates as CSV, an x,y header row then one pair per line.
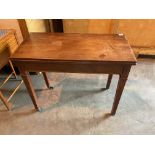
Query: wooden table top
x,y
76,47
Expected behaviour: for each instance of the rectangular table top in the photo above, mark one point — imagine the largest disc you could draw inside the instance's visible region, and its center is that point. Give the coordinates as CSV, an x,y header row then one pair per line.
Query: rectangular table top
x,y
76,47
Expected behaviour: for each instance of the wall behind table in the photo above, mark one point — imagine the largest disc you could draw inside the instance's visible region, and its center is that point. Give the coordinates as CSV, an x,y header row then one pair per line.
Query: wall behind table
x,y
88,25
140,32
38,25
23,27
35,25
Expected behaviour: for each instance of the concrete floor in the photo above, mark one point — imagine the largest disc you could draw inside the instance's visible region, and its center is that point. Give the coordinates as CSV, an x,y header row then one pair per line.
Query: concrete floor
x,y
78,106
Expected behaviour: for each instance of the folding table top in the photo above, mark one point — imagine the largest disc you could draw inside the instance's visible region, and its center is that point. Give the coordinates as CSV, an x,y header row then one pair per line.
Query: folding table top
x,y
106,48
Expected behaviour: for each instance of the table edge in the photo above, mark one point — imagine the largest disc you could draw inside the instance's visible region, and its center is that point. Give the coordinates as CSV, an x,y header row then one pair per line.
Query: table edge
x,y
74,61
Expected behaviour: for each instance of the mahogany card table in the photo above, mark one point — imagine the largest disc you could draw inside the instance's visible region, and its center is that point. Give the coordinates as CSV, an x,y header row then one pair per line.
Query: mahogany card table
x,y
75,53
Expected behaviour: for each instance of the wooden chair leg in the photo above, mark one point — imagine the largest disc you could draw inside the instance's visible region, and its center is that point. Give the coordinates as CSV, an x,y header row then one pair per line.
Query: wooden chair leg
x,y
7,104
13,70
109,81
46,80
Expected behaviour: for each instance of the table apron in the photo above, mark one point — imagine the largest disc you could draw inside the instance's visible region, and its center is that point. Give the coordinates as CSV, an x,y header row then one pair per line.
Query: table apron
x,y
70,67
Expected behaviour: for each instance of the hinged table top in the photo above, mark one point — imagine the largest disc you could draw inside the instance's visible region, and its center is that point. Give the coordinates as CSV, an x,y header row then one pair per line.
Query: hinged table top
x,y
76,47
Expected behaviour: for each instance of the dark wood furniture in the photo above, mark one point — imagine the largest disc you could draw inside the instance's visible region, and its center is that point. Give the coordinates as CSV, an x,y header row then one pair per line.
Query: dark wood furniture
x,y
75,53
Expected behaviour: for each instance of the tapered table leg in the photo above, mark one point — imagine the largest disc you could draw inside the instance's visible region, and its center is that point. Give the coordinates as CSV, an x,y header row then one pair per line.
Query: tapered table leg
x,y
46,80
121,83
109,81
29,87
7,104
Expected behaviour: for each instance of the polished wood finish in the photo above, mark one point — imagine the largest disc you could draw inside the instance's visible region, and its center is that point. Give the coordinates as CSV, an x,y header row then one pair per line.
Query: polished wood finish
x,y
85,48
75,53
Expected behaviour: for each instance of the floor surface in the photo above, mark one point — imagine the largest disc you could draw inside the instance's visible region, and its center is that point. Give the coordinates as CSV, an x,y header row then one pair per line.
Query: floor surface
x,y
77,105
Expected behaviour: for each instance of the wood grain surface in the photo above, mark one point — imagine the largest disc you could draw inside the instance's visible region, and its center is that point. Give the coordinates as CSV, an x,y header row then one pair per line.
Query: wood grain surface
x,y
76,47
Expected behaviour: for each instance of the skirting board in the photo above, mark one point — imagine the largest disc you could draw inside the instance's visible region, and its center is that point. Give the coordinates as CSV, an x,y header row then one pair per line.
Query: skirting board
x,y
148,52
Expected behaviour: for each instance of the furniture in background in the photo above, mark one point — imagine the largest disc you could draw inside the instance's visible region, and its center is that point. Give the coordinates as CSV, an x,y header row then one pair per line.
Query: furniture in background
x,y
8,45
75,53
4,100
19,25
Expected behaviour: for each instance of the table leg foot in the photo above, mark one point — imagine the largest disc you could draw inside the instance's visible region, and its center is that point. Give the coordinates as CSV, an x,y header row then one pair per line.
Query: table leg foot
x,y
39,109
51,87
108,83
47,81
103,89
113,113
